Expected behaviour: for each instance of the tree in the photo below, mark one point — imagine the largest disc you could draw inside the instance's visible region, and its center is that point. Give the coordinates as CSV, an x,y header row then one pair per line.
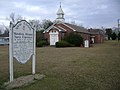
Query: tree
x,y
6,32
74,39
108,32
18,18
46,23
119,36
113,36
0,31
39,36
14,18
37,24
40,40
41,25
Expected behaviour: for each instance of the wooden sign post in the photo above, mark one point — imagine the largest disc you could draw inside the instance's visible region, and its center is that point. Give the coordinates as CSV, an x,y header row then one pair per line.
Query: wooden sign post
x,y
22,44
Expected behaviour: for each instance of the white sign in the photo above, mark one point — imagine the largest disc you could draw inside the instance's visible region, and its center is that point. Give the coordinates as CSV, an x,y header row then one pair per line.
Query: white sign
x,y
23,41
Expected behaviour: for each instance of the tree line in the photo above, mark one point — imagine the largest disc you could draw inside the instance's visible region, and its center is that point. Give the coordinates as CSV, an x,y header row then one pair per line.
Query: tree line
x,y
112,35
40,25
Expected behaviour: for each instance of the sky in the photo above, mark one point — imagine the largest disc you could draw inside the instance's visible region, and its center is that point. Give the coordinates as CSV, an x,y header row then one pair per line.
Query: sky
x,y
88,13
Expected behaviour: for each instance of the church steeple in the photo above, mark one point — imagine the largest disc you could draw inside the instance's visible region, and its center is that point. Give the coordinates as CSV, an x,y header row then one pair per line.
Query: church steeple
x,y
60,15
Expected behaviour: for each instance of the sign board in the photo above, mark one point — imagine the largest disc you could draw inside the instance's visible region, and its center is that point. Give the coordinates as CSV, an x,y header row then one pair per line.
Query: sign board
x,y
23,41
22,46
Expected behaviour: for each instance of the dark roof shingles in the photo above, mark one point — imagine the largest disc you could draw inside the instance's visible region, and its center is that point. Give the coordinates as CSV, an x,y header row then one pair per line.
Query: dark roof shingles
x,y
78,28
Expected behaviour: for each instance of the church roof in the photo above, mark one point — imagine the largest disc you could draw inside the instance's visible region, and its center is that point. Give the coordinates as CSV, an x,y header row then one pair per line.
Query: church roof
x,y
65,26
78,28
60,11
96,31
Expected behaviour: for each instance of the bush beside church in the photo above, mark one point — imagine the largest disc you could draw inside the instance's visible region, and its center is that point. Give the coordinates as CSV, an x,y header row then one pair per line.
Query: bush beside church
x,y
70,40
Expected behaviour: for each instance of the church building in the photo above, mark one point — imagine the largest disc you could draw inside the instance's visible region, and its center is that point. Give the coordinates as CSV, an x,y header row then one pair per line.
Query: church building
x,y
60,28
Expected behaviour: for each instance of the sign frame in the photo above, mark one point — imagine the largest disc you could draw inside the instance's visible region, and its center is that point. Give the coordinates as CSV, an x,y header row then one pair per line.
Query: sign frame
x,y
11,56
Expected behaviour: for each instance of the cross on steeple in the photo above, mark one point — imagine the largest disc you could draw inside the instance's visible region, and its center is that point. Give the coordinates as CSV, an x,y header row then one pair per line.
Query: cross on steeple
x,y
60,4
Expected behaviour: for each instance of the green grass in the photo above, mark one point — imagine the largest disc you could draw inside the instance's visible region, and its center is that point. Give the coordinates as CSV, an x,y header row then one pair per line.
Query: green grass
x,y
95,68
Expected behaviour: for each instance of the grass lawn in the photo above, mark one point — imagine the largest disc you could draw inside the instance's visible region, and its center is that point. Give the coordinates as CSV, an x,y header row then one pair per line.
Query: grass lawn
x,y
95,68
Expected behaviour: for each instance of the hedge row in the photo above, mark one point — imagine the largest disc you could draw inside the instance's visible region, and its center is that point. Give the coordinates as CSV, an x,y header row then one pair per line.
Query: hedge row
x,y
63,44
70,40
41,43
74,39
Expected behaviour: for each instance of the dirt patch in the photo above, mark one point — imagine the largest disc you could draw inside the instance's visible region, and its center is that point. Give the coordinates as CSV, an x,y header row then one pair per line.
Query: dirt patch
x,y
23,81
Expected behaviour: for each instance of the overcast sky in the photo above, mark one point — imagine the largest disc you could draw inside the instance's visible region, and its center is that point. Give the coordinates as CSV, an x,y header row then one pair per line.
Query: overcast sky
x,y
89,13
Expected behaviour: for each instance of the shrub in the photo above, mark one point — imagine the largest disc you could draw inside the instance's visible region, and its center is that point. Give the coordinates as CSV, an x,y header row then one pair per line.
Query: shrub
x,y
42,43
119,36
74,39
63,44
39,36
113,36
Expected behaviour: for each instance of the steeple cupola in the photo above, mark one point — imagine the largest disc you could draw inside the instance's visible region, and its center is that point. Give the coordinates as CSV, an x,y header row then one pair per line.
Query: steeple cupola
x,y
60,15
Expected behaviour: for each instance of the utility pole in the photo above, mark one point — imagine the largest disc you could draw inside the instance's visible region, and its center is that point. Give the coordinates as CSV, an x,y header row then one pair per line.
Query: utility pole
x,y
118,28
